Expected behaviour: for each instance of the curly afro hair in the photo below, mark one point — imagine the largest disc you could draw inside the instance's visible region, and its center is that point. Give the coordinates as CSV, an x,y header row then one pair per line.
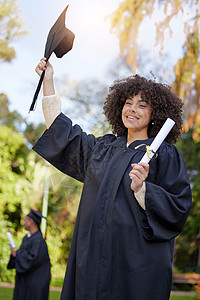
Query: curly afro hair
x,y
164,103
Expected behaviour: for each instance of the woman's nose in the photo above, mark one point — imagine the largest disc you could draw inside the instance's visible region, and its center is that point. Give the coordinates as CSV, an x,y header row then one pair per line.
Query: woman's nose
x,y
133,107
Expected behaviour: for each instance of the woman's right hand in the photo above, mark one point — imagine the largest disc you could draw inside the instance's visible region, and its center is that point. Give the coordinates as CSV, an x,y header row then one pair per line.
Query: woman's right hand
x,y
48,86
42,65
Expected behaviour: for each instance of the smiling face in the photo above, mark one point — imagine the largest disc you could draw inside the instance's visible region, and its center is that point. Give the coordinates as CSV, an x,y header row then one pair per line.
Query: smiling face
x,y
136,115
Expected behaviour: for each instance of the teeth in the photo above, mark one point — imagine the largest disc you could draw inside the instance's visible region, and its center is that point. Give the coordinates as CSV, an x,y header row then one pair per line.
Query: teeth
x,y
132,118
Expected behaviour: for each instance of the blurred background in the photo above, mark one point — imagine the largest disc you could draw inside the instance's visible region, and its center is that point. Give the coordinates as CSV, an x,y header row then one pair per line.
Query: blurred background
x,y
116,38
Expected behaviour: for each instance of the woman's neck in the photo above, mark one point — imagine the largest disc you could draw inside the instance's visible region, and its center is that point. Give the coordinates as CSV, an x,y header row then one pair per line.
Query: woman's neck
x,y
134,137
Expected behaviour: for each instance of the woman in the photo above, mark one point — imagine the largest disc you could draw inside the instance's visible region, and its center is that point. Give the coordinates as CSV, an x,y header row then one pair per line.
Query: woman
x,y
129,212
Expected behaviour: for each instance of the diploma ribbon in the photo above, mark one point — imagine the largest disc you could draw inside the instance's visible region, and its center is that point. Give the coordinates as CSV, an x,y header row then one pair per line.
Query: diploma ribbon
x,y
150,153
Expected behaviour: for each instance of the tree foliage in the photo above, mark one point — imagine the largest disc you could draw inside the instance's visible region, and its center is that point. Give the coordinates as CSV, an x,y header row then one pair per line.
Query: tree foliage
x,y
126,22
188,243
187,83
130,15
14,120
10,118
10,28
15,187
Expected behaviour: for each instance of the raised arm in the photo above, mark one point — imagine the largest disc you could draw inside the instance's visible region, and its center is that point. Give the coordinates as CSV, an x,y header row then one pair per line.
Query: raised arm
x,y
48,85
51,104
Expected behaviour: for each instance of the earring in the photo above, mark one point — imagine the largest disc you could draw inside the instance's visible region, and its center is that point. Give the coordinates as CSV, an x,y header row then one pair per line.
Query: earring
x,y
152,123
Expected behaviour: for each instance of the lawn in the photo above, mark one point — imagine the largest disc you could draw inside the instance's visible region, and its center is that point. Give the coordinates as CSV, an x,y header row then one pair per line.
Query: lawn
x,y
6,294
182,298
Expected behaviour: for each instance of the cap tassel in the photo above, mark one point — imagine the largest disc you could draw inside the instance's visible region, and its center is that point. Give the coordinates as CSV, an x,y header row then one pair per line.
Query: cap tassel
x,y
32,107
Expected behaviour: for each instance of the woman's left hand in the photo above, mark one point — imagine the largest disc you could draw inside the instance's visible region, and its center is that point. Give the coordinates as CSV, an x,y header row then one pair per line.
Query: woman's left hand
x,y
138,175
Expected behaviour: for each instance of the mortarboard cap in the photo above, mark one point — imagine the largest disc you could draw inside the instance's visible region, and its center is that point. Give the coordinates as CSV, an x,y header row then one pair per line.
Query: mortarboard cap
x,y
35,216
60,41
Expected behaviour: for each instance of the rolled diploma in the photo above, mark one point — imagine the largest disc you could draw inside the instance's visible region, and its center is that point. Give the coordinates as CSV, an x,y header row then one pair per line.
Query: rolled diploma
x,y
165,129
12,243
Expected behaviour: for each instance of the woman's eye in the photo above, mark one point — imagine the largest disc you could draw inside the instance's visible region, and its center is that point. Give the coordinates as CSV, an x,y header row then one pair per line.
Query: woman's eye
x,y
142,105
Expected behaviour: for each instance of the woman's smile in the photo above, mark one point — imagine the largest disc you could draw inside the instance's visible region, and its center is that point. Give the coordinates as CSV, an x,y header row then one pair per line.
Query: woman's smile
x,y
136,115
132,118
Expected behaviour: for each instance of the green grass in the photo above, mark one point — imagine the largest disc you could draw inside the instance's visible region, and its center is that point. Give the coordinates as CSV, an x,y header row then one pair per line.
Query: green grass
x,y
6,294
183,297
54,295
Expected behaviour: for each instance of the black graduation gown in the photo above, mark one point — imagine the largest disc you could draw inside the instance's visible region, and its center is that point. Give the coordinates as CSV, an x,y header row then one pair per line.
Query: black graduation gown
x,y
119,251
32,266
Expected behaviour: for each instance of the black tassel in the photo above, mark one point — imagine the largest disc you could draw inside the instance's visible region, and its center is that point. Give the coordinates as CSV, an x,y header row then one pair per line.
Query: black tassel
x,y
32,107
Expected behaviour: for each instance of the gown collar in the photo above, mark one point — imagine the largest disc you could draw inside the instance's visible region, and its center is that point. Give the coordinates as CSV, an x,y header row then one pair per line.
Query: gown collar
x,y
122,142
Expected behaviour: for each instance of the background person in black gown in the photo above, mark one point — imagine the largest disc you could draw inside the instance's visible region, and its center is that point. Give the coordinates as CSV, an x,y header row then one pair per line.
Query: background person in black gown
x,y
31,262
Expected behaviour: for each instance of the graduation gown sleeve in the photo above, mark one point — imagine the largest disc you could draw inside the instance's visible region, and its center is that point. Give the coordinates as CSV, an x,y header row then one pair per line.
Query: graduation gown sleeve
x,y
11,263
61,136
168,196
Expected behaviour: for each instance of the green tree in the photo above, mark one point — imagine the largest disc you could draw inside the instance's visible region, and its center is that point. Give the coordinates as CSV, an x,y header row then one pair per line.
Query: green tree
x,y
188,243
21,188
10,118
13,155
33,131
187,83
14,120
10,28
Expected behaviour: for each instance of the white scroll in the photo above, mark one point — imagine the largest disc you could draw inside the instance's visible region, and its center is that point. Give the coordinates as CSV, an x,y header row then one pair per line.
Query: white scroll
x,y
151,150
12,243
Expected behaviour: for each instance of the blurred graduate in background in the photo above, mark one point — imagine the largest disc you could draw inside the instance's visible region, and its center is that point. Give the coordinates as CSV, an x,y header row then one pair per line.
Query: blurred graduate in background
x,y
31,262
